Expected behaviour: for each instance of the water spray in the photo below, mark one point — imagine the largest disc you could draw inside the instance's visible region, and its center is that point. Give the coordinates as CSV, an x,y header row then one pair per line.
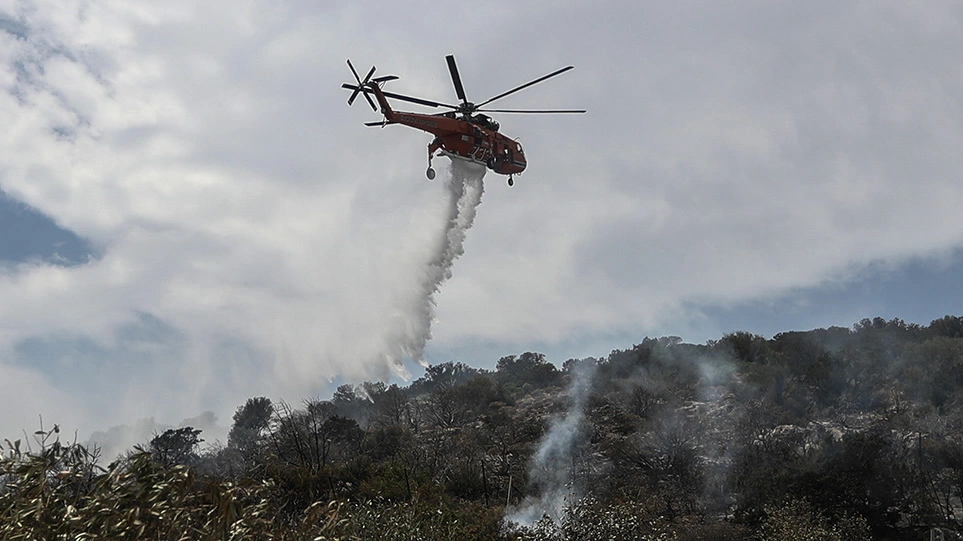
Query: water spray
x,y
465,189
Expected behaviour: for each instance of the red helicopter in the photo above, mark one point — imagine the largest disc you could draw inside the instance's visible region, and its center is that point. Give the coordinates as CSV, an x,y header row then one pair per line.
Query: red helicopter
x,y
462,133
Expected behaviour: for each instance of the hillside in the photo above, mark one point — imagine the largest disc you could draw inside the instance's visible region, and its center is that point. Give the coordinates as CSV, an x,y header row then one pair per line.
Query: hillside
x,y
836,433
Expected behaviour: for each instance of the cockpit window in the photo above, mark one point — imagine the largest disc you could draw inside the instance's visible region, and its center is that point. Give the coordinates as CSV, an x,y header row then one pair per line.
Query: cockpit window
x,y
518,146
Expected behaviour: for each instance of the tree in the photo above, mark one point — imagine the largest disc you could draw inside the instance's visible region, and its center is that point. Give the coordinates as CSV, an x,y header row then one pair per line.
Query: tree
x,y
392,408
176,446
251,421
442,376
312,437
344,394
530,368
449,407
667,451
743,346
948,326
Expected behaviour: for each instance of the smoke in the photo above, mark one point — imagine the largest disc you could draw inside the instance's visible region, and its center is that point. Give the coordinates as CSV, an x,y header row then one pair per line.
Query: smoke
x,y
552,472
465,189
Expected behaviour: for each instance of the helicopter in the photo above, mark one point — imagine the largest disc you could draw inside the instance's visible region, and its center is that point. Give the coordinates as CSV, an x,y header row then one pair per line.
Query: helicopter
x,y
464,132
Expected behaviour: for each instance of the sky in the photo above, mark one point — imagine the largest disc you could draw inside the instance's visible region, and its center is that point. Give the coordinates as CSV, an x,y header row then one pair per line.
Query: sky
x,y
191,215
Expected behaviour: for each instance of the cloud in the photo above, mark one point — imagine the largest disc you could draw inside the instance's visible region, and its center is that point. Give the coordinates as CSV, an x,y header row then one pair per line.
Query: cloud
x,y
731,153
254,239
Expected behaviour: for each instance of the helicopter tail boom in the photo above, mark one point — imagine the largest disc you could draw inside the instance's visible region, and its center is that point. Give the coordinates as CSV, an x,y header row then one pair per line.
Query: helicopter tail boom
x,y
382,101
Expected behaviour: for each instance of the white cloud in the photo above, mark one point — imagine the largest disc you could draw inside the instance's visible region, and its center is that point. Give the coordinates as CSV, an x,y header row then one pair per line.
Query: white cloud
x,y
729,153
27,394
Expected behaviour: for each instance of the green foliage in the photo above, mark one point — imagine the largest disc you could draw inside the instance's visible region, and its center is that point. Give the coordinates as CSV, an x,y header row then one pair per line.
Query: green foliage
x,y
60,493
743,346
947,326
396,482
422,519
826,434
444,376
528,368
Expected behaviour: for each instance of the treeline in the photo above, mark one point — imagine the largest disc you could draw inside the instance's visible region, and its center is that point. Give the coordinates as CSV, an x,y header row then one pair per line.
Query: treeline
x,y
839,433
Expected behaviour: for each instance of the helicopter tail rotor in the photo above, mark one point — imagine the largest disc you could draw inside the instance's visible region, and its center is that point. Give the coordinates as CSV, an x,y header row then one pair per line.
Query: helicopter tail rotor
x,y
361,87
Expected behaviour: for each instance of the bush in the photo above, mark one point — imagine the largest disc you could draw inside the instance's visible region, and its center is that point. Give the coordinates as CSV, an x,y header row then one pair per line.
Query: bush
x,y
797,519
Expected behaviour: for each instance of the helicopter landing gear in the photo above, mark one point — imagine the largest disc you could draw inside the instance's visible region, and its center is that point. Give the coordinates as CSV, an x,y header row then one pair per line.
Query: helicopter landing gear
x,y
430,173
435,145
511,181
432,148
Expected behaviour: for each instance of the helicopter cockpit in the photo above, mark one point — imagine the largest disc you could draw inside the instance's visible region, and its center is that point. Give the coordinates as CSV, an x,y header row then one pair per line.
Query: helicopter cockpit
x,y
486,122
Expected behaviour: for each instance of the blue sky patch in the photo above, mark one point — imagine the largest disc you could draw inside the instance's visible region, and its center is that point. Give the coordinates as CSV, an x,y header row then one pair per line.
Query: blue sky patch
x,y
26,234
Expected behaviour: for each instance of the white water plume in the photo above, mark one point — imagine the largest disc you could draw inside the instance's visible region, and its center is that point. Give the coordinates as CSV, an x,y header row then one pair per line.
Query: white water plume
x,y
552,471
465,189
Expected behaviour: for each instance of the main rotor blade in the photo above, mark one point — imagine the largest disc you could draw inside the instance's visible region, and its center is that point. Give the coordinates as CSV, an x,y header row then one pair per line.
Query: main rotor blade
x,y
455,78
535,111
419,101
526,85
402,97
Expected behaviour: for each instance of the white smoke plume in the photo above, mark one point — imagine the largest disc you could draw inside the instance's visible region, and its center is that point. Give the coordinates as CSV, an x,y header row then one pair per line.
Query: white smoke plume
x,y
414,329
552,468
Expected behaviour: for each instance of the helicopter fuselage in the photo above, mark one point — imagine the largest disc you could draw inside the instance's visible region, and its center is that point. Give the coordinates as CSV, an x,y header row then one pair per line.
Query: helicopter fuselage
x,y
473,138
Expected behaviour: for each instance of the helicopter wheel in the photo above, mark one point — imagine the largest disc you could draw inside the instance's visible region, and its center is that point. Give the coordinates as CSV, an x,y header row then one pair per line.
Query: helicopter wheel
x,y
491,163
430,173
511,181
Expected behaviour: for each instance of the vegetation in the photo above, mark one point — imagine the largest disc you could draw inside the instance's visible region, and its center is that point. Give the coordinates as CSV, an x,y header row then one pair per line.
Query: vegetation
x,y
827,434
